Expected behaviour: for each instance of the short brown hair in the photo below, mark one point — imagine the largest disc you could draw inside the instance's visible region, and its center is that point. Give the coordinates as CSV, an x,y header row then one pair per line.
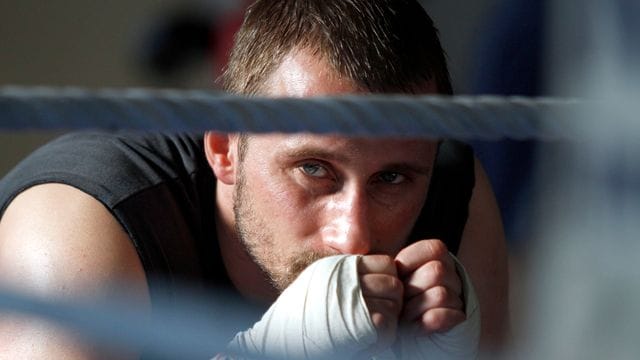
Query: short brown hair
x,y
381,45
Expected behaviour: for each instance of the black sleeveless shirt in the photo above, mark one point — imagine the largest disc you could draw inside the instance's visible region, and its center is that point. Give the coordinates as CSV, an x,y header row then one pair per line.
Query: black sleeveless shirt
x,y
161,190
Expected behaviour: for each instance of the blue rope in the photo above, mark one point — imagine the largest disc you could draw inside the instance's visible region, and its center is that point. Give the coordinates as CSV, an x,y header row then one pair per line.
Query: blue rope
x,y
462,117
191,326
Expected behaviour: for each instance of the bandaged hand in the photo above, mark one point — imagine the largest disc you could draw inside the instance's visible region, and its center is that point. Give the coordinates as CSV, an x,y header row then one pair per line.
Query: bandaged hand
x,y
322,314
358,306
440,316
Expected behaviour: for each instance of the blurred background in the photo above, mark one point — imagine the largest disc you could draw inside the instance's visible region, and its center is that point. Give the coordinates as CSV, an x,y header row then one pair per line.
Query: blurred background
x,y
570,210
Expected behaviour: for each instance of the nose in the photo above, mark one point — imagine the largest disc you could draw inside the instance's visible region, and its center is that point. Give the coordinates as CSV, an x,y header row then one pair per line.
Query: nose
x,y
346,229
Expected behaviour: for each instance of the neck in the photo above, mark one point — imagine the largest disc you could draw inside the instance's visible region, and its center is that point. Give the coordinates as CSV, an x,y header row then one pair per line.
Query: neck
x,y
247,277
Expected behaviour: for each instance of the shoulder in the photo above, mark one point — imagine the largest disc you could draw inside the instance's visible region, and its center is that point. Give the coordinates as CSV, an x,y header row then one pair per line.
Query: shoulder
x,y
157,186
53,228
59,243
57,239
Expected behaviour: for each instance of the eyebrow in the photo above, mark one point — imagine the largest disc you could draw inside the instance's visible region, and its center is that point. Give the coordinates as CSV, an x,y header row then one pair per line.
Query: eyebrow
x,y
408,168
320,153
315,152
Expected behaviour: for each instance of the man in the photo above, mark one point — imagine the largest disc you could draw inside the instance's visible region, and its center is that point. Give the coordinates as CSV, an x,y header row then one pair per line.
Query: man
x,y
252,211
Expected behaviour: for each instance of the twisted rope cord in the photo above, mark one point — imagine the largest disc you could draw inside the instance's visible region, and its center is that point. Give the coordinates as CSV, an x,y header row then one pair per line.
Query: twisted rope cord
x,y
462,117
188,327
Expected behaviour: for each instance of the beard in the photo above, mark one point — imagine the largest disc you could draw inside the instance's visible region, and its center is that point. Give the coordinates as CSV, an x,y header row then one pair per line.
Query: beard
x,y
280,266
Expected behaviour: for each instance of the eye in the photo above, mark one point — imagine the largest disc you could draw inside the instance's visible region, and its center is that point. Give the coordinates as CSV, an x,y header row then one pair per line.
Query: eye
x,y
314,169
391,177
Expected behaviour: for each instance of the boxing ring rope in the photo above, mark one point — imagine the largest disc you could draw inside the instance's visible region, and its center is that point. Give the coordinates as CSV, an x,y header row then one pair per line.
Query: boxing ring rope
x,y
461,117
174,331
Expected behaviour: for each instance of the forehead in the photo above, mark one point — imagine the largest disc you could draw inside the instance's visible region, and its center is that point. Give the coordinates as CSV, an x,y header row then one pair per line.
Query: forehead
x,y
303,74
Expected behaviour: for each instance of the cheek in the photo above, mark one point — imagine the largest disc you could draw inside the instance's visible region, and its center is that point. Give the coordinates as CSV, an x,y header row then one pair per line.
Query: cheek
x,y
281,202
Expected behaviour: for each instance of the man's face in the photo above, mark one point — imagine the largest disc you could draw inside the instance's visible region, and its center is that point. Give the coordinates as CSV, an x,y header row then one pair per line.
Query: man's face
x,y
301,197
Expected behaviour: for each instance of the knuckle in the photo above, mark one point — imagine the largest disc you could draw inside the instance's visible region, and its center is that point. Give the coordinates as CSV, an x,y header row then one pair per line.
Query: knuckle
x,y
437,270
379,320
367,260
376,264
433,321
439,295
388,263
380,263
383,322
441,321
381,258
437,248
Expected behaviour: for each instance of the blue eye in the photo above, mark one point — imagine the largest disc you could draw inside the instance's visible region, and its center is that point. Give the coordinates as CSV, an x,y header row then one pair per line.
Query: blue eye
x,y
315,170
392,177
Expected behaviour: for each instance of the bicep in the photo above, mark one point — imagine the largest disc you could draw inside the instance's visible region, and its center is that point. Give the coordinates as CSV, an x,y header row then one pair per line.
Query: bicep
x,y
483,252
60,243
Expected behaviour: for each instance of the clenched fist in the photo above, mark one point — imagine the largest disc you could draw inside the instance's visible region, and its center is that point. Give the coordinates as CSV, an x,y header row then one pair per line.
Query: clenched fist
x,y
432,287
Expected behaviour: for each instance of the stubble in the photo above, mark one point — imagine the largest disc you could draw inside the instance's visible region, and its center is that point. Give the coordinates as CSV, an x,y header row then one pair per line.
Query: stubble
x,y
281,266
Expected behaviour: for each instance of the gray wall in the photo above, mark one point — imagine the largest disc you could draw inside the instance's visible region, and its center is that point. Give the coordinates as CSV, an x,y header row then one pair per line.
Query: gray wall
x,y
85,43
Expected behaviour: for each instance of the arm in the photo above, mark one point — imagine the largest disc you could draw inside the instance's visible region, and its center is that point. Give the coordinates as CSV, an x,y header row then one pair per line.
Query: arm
x,y
483,252
58,242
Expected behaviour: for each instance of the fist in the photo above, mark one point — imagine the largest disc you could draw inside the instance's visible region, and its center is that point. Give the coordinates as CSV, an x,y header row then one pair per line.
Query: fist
x,y
432,287
383,293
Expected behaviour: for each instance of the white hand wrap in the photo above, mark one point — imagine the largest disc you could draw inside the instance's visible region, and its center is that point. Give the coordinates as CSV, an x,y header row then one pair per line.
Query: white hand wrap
x,y
320,315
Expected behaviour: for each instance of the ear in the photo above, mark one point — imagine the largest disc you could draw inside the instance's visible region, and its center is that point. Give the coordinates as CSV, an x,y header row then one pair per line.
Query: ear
x,y
221,152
